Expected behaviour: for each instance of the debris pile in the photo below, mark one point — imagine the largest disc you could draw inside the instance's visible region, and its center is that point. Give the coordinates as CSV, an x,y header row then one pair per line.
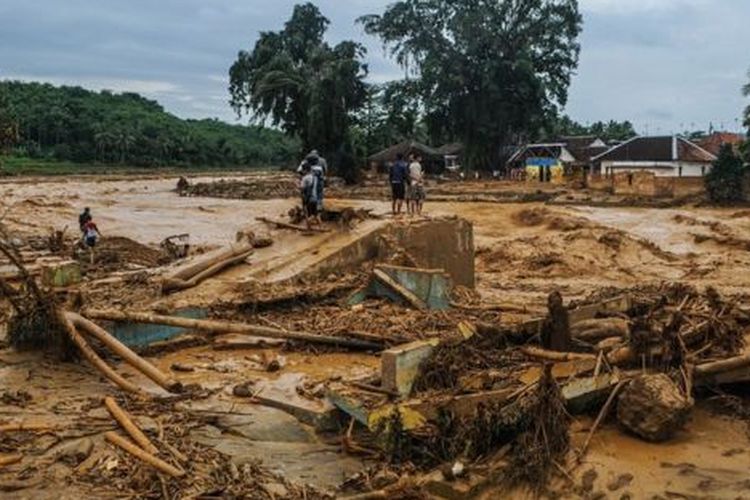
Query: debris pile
x,y
256,188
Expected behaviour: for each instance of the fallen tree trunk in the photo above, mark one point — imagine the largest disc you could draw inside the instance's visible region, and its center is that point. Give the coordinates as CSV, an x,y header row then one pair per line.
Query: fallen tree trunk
x,y
170,285
285,225
190,270
725,365
124,352
94,358
157,463
129,426
598,329
222,327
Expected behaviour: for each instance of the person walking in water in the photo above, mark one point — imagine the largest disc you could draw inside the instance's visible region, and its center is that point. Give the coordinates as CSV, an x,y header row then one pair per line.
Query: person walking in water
x,y
90,236
84,217
398,175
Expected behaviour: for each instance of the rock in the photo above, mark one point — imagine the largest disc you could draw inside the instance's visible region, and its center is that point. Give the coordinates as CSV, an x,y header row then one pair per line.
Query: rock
x,y
653,407
383,479
75,452
276,490
262,241
588,480
621,481
244,390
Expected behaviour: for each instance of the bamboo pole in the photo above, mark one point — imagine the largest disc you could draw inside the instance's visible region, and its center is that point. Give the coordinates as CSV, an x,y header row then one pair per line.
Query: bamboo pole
x,y
157,463
124,352
94,358
221,327
129,426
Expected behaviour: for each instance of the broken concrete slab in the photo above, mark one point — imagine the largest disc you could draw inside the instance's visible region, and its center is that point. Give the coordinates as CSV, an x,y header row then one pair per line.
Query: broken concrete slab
x,y
400,365
61,274
422,288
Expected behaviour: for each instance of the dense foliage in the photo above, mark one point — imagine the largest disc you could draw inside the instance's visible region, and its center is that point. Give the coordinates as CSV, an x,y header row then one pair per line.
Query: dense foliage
x,y
488,72
8,124
725,181
609,131
299,82
74,124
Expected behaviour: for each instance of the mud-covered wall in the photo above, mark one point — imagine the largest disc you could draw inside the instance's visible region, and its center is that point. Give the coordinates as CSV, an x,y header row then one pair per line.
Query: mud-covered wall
x,y
446,243
443,243
647,184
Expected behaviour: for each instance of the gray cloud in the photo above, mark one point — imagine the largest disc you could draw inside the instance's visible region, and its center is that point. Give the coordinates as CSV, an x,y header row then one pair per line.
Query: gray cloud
x,y
663,64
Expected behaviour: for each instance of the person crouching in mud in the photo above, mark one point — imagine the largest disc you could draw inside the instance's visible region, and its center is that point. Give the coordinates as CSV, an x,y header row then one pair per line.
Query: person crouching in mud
x,y
90,236
310,190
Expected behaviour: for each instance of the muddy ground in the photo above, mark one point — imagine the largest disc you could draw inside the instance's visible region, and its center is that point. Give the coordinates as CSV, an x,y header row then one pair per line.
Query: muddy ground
x,y
524,251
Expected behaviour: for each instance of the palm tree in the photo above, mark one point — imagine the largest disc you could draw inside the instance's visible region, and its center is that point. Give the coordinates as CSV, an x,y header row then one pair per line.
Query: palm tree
x,y
104,140
124,139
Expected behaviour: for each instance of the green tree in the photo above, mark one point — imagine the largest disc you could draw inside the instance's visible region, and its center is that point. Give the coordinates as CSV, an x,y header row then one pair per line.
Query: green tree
x,y
297,81
724,183
488,71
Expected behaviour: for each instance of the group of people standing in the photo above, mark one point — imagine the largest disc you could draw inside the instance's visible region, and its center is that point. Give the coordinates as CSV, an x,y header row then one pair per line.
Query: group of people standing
x,y
407,184
313,171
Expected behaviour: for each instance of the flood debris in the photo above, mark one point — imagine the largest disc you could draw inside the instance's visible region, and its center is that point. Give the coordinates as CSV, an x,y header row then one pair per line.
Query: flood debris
x,y
653,407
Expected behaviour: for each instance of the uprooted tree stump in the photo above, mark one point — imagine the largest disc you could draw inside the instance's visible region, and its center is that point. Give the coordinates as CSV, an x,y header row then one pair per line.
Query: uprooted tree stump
x,y
653,407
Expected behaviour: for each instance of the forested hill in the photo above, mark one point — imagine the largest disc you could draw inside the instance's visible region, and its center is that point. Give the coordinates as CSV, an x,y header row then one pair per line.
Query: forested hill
x,y
78,125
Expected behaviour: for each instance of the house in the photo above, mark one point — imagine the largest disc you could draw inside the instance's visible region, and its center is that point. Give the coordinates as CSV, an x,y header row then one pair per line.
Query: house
x,y
552,160
452,155
664,156
432,159
713,143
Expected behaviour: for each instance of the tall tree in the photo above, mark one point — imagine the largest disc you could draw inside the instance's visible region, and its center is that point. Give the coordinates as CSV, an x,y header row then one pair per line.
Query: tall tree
x,y
725,181
299,82
488,71
9,134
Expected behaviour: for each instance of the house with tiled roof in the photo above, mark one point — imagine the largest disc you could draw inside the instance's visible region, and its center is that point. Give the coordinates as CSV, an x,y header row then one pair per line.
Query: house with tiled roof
x,y
713,143
664,156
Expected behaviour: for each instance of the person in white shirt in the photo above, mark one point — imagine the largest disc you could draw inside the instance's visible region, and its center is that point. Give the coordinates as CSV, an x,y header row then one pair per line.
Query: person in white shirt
x,y
416,189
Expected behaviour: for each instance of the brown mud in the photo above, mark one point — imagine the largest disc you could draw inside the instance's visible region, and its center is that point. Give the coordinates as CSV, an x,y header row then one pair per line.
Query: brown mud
x,y
524,251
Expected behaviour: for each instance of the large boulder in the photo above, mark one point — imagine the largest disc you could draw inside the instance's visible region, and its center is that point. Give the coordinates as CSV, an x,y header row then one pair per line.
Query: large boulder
x,y
653,407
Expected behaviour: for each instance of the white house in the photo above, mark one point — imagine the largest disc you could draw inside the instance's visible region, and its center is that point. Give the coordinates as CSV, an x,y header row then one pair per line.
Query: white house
x,y
666,156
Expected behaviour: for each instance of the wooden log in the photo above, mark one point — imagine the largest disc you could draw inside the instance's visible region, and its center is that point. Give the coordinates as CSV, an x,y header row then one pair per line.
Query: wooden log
x,y
725,365
172,284
153,461
129,426
10,459
285,225
598,329
544,354
406,294
24,427
94,358
222,327
125,353
190,270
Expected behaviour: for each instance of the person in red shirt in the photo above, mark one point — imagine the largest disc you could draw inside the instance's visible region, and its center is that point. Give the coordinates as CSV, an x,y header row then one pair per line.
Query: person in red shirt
x,y
90,235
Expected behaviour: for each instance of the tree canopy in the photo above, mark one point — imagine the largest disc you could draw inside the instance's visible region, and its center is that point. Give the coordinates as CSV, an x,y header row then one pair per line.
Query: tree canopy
x,y
74,124
8,124
725,181
488,72
609,131
297,81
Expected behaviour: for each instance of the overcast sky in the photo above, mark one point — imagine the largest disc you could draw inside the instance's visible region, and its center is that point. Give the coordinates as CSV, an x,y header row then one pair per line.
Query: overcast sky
x,y
666,65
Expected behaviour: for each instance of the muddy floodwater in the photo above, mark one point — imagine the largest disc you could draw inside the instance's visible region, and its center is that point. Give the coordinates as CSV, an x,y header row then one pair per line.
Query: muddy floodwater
x,y
524,251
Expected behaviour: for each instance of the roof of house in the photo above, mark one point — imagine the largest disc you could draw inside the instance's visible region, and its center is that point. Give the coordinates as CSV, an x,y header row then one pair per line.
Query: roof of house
x,y
453,148
661,148
405,148
715,141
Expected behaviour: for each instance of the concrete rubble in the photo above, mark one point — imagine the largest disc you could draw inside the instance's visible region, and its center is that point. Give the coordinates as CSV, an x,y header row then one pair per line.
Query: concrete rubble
x,y
434,357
